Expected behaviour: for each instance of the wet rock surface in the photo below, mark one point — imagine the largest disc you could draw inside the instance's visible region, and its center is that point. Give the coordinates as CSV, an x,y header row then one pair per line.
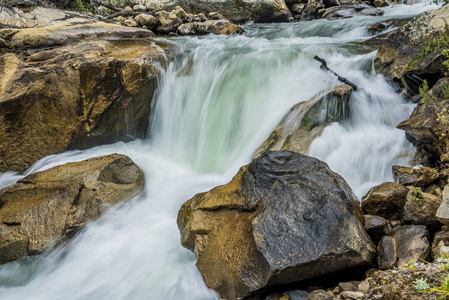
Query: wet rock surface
x,y
292,218
45,208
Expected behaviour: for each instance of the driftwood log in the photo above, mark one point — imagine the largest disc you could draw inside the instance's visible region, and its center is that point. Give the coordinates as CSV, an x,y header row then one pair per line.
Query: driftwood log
x,y
325,68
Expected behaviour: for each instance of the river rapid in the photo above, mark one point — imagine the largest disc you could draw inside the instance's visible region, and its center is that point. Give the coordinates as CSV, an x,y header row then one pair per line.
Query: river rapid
x,y
216,103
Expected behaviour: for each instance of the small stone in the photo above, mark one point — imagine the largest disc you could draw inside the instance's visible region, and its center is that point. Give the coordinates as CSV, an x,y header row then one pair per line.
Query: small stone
x,y
131,23
351,295
121,19
443,210
128,8
385,200
146,20
202,17
319,295
347,286
216,16
387,255
298,7
364,287
381,3
440,245
416,176
139,8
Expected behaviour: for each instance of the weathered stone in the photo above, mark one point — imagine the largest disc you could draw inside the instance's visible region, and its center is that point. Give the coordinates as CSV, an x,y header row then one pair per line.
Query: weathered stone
x,y
42,209
146,20
75,97
351,295
139,8
349,11
435,190
235,11
421,209
202,17
385,200
216,16
167,22
306,120
347,286
319,295
440,244
376,227
37,17
298,7
381,3
387,255
211,26
402,46
284,218
412,242
417,176
443,211
330,3
131,23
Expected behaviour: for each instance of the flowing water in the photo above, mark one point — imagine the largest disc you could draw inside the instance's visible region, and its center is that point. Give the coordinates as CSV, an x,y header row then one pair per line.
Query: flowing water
x,y
217,102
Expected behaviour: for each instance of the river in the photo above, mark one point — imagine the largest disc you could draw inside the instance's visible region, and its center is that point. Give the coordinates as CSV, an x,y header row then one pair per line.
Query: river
x,y
216,103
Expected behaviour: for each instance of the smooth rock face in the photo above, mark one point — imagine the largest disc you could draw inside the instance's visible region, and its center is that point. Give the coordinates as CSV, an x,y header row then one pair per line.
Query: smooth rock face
x,y
235,11
284,218
349,11
44,208
387,255
412,242
406,43
385,200
417,176
39,16
74,97
306,120
421,209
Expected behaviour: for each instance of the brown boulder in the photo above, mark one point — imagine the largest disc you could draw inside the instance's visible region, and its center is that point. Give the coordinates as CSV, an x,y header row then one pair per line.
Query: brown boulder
x,y
418,176
210,26
376,227
285,217
44,208
385,200
421,209
76,96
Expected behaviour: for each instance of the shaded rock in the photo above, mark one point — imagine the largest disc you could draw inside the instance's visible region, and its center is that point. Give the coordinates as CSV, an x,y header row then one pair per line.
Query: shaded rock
x,y
167,22
387,255
443,211
146,20
298,7
351,295
131,23
385,200
306,120
312,10
347,286
211,26
435,190
421,209
402,46
412,242
376,227
381,3
202,17
349,11
319,295
440,244
139,8
330,3
284,218
216,16
75,97
416,176
42,209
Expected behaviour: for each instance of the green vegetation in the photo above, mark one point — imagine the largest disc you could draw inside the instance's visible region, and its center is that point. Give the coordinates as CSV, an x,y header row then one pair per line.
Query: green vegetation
x,y
443,290
421,285
437,44
79,5
417,196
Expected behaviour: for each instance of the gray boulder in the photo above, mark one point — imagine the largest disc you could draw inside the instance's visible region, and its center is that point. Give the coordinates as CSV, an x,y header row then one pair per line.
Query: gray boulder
x,y
412,242
387,254
285,217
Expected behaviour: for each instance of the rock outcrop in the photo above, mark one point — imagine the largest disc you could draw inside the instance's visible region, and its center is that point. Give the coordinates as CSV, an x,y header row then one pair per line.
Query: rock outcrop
x,y
77,95
402,47
45,208
283,218
306,120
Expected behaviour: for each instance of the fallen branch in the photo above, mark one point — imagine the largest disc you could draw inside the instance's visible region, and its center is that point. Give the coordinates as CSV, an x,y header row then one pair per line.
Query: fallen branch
x,y
325,68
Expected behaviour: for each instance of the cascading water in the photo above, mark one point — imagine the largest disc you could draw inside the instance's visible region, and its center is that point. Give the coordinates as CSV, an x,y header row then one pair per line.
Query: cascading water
x,y
217,102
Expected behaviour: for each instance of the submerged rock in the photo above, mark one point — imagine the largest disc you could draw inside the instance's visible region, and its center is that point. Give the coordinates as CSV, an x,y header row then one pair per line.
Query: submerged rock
x,y
283,218
306,120
76,96
44,208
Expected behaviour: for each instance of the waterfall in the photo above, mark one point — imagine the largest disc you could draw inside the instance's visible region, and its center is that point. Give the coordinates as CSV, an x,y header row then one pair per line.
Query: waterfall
x,y
217,102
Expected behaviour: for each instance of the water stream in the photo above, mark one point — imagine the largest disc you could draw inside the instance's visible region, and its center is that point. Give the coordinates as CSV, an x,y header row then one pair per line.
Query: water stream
x,y
217,102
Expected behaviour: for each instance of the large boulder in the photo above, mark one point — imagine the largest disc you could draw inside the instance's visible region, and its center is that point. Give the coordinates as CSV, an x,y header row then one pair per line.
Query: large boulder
x,y
417,176
412,244
283,218
403,47
421,209
44,208
235,11
306,120
385,200
75,96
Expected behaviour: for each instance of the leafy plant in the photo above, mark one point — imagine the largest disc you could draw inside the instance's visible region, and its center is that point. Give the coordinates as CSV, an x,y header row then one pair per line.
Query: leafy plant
x,y
79,5
417,195
421,285
443,289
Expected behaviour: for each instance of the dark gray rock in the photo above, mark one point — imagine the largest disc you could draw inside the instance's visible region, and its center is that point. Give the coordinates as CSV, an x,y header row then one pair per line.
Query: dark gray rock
x,y
284,218
349,11
412,243
376,227
387,255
